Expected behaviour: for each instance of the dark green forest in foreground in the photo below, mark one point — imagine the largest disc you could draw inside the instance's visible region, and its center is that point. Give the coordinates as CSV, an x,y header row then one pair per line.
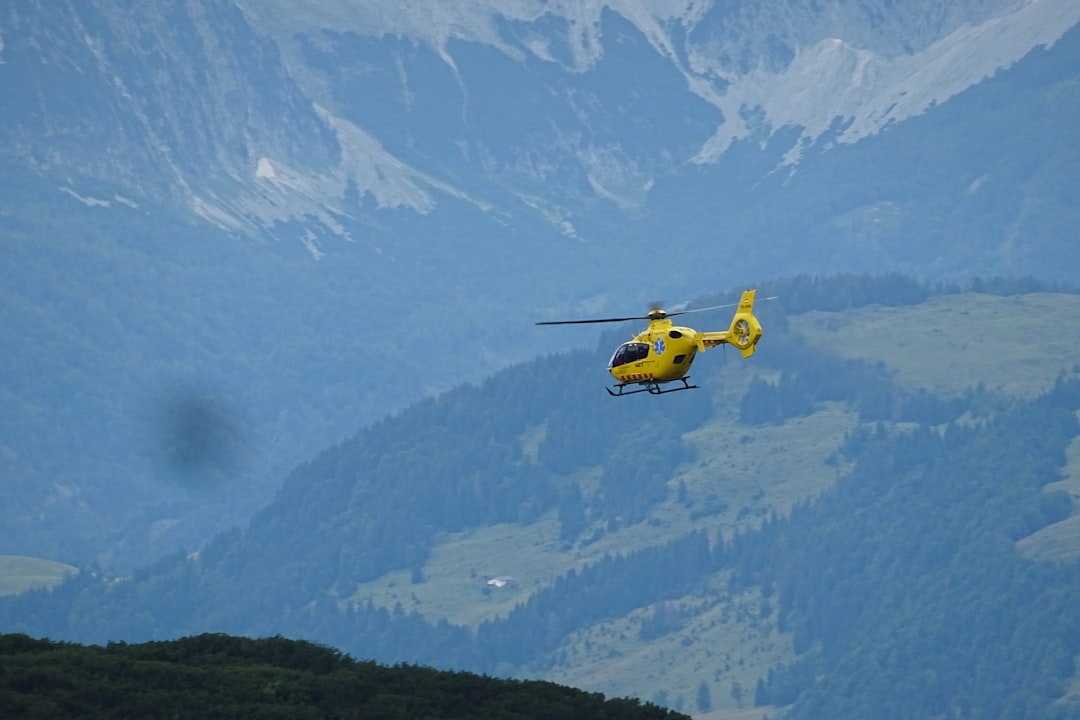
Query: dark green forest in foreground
x,y
902,585
218,676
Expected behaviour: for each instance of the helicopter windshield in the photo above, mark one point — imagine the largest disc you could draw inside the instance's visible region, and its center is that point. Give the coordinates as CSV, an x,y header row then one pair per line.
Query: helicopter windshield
x,y
628,353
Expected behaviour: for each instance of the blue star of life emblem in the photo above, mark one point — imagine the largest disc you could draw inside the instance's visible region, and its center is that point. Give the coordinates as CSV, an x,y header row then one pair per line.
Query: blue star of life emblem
x,y
658,346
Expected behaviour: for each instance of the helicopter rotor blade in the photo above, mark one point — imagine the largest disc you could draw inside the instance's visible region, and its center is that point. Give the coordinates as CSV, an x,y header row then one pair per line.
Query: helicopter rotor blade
x,y
717,307
598,320
694,310
652,316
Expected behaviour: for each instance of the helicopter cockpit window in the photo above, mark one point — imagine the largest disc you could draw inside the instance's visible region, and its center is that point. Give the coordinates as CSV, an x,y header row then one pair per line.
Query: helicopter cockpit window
x,y
628,353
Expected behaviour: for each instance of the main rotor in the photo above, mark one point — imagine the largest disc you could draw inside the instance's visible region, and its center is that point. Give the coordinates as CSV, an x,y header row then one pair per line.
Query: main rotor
x,y
655,313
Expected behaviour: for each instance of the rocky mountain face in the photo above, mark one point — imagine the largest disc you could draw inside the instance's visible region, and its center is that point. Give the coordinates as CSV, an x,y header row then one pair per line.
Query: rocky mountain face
x,y
758,66
172,103
257,113
323,211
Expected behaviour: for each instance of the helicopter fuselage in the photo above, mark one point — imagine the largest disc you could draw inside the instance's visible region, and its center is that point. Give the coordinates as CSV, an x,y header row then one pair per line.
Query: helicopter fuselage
x,y
661,353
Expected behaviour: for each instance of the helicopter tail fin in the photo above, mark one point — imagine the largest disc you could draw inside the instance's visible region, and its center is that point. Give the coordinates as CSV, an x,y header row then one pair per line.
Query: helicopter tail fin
x,y
744,331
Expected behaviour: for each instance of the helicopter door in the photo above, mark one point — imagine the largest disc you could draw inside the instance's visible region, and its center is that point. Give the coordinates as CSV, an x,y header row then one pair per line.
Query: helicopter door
x,y
628,353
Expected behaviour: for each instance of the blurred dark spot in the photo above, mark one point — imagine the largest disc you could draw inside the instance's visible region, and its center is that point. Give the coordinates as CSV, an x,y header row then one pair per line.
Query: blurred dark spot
x,y
199,438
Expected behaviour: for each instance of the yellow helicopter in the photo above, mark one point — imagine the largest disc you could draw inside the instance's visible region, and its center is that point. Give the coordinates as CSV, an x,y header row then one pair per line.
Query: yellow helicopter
x,y
663,352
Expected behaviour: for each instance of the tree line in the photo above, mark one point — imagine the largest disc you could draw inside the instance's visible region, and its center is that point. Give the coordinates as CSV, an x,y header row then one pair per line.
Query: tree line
x,y
216,675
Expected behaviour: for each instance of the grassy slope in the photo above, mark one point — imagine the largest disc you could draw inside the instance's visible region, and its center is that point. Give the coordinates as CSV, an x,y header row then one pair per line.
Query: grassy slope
x,y
724,640
1060,541
18,573
746,469
1014,345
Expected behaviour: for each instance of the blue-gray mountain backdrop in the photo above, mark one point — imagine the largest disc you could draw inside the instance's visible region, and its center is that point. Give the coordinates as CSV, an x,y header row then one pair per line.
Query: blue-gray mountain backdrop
x,y
237,232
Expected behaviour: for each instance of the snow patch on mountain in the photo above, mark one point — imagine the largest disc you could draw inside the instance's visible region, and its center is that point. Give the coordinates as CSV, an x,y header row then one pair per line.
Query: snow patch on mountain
x,y
86,200
435,22
281,192
264,168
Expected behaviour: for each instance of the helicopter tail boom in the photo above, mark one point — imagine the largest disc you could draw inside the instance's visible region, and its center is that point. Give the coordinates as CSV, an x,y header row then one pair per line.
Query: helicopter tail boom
x,y
744,331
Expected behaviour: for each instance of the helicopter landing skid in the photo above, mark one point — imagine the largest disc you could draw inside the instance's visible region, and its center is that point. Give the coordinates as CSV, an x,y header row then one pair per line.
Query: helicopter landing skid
x,y
653,388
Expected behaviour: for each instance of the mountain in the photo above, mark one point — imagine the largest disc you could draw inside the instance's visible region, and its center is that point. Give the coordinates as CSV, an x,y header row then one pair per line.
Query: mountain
x,y
874,515
242,230
756,66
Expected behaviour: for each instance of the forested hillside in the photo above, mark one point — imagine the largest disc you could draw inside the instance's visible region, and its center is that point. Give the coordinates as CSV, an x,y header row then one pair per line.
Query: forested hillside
x,y
221,676
809,530
907,575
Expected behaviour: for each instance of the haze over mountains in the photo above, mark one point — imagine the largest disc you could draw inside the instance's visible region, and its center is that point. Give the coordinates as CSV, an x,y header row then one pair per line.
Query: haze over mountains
x,y
264,213
842,521
239,232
